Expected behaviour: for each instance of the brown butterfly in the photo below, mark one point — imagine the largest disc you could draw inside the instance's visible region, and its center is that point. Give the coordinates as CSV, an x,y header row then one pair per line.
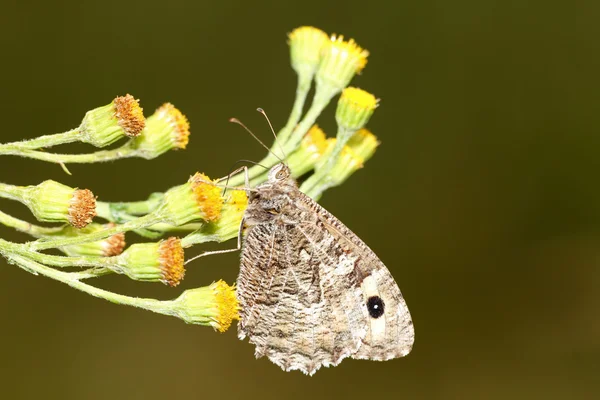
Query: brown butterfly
x,y
311,292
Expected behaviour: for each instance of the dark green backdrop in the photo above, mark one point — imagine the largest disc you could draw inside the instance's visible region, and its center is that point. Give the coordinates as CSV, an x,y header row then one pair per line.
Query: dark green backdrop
x,y
483,199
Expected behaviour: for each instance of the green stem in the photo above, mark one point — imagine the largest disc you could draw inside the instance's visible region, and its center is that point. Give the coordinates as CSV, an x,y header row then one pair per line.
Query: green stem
x,y
40,142
321,180
304,81
73,280
125,151
138,223
12,192
26,227
106,210
57,261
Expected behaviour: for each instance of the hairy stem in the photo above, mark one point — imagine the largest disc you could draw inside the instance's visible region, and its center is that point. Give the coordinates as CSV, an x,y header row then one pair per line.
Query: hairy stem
x,y
40,142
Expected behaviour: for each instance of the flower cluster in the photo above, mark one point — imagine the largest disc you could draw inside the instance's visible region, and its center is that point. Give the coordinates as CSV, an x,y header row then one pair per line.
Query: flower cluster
x,y
200,209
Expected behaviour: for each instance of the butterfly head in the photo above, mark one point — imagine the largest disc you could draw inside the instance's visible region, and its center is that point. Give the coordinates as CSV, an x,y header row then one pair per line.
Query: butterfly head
x,y
280,173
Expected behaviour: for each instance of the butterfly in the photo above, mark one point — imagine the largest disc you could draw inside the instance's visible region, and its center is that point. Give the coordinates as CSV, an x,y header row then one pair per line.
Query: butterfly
x,y
311,292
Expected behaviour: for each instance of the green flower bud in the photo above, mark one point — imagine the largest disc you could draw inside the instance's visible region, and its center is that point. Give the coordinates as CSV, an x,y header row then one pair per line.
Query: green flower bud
x,y
153,262
51,201
105,125
165,130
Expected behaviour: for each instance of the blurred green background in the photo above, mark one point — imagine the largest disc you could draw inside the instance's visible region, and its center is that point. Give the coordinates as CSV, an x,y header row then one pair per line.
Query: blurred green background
x,y
483,199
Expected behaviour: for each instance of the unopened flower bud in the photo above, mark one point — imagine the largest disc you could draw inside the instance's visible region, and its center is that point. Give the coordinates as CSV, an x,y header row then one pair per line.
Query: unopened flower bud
x,y
153,262
166,129
355,108
51,201
105,125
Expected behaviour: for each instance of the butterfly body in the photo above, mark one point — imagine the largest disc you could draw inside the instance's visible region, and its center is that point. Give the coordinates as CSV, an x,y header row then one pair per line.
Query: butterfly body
x,y
311,292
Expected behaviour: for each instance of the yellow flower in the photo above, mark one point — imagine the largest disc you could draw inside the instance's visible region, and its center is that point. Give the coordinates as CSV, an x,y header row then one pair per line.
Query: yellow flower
x,y
314,142
355,108
363,143
208,196
306,44
311,149
341,61
347,163
166,129
199,198
215,305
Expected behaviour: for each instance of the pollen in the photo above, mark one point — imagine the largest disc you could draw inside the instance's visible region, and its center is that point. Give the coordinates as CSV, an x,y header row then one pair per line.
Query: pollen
x,y
348,50
82,208
227,305
207,195
179,122
171,261
130,115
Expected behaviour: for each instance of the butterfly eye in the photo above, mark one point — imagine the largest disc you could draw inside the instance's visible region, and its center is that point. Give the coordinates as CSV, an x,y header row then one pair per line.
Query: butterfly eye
x,y
281,174
375,306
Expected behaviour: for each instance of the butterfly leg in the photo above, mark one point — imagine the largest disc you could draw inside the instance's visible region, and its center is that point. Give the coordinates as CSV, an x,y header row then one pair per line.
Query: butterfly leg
x,y
246,187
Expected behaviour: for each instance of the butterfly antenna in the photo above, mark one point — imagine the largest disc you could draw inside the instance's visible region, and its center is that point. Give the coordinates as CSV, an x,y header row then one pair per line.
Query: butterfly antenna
x,y
237,121
260,110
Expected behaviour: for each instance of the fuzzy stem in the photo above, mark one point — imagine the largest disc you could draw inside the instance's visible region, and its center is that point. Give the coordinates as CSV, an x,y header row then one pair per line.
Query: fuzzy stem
x,y
320,181
125,151
73,280
41,142
304,81
27,227
11,192
57,261
138,223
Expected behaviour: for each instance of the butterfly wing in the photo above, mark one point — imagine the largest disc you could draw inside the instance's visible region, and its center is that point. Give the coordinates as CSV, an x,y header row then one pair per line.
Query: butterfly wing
x,y
293,308
312,293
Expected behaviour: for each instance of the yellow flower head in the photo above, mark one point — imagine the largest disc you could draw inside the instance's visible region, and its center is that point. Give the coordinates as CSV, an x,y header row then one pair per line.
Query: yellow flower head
x,y
166,129
341,60
199,198
130,115
215,305
208,196
107,124
306,44
238,199
363,143
345,165
180,136
51,201
153,262
82,208
314,141
355,107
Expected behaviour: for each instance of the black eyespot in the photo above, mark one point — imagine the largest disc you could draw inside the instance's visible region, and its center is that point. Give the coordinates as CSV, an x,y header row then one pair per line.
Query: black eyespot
x,y
375,306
